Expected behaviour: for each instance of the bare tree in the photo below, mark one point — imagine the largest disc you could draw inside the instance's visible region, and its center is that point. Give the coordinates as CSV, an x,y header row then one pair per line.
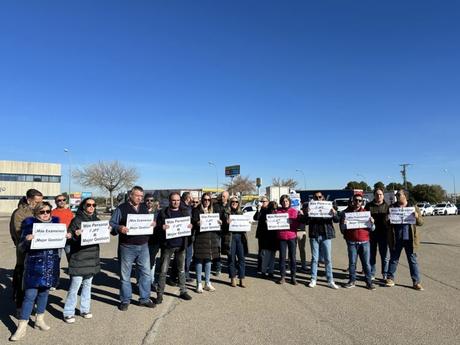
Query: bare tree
x,y
110,176
241,184
289,182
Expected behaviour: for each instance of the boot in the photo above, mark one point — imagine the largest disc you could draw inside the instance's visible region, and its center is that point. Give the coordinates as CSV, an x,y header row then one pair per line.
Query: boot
x,y
233,282
21,331
242,283
40,322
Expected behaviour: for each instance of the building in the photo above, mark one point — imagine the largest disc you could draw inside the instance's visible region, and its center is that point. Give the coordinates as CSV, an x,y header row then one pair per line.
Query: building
x,y
17,177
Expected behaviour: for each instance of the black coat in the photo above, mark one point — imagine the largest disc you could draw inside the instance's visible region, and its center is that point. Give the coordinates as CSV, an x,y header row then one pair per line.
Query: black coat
x,y
207,244
267,238
84,260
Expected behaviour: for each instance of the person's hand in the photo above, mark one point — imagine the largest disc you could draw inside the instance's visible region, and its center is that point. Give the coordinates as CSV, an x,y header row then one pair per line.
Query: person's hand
x,y
190,226
301,212
333,212
123,229
77,232
29,237
165,227
372,220
220,222
154,224
68,235
416,215
229,220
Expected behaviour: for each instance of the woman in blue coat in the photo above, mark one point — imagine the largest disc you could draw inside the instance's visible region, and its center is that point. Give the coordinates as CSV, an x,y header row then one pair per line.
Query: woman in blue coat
x,y
41,271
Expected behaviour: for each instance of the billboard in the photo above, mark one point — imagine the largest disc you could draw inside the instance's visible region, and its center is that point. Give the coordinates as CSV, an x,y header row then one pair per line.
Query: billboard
x,y
232,170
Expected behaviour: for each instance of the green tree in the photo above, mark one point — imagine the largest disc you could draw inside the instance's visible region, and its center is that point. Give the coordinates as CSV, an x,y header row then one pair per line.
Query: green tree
x,y
431,193
358,185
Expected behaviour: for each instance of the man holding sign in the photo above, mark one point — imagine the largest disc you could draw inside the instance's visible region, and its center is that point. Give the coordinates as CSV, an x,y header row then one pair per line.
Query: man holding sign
x,y
133,247
174,221
404,234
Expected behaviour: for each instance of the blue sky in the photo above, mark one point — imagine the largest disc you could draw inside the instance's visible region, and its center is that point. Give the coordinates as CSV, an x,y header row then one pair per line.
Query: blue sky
x,y
338,89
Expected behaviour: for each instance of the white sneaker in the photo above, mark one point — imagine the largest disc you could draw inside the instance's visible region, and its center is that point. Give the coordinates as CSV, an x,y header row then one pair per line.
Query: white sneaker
x,y
86,315
69,319
312,283
209,288
199,288
333,285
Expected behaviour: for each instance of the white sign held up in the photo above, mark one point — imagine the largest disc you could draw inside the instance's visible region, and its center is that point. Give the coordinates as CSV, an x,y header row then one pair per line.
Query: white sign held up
x,y
48,236
178,227
320,209
279,221
139,224
95,232
240,223
209,222
358,220
402,215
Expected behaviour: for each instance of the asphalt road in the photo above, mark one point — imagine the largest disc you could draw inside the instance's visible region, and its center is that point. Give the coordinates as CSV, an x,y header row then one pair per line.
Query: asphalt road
x,y
266,312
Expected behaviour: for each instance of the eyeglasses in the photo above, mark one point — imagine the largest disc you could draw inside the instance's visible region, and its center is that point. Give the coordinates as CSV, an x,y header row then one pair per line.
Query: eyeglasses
x,y
358,200
90,205
60,200
319,197
149,200
264,200
206,199
45,211
195,202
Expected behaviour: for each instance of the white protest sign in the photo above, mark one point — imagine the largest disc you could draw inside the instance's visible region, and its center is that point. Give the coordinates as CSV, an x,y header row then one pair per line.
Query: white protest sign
x,y
178,227
402,215
240,223
320,209
279,221
358,220
95,232
48,236
139,224
209,222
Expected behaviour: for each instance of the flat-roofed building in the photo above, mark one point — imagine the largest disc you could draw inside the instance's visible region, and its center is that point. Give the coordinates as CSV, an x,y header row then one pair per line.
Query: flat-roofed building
x,y
17,177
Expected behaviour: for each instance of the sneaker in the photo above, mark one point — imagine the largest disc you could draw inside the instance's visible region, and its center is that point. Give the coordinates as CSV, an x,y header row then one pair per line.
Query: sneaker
x,y
389,282
199,288
69,319
281,281
373,278
53,288
371,286
123,306
149,304
209,287
217,273
185,296
349,285
333,285
159,299
418,287
86,315
312,283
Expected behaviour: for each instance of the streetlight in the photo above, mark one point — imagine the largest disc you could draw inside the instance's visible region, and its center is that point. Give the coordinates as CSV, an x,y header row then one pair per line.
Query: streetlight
x,y
70,169
304,180
453,177
217,176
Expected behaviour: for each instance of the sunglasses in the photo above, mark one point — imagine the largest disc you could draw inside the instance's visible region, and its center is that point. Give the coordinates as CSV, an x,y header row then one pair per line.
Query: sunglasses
x,y
90,205
319,197
59,200
45,211
195,202
264,200
206,199
149,200
359,200
234,202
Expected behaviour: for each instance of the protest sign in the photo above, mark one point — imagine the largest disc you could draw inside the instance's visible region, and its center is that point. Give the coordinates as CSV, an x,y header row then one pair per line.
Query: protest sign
x,y
48,236
139,224
279,221
402,215
320,209
95,232
358,220
178,227
240,223
209,222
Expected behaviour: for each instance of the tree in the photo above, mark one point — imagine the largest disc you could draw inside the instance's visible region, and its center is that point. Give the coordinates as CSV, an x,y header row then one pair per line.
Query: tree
x,y
431,193
289,182
396,186
358,185
241,184
110,176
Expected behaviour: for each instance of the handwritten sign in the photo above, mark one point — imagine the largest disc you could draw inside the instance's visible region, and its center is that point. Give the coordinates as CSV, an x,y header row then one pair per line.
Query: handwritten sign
x,y
239,223
48,236
402,215
209,222
358,220
320,209
178,227
279,221
95,232
139,224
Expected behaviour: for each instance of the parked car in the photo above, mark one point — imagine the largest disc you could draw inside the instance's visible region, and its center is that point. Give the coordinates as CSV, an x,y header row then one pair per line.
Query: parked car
x,y
425,208
445,208
250,211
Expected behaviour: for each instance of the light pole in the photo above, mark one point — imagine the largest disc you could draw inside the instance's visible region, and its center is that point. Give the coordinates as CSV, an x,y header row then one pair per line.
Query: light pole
x,y
304,180
453,178
70,170
217,176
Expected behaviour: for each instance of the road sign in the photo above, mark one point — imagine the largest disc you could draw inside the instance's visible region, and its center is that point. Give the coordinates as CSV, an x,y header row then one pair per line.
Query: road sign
x,y
232,170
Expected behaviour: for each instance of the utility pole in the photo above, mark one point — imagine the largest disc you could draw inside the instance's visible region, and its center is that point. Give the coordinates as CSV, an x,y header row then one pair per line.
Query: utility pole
x,y
404,173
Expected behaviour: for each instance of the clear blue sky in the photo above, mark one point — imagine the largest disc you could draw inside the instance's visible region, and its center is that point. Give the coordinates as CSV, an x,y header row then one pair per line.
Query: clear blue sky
x,y
338,89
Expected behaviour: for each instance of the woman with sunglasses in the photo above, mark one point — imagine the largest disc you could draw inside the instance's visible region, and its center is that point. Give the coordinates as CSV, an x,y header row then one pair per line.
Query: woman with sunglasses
x,y
206,245
84,263
41,271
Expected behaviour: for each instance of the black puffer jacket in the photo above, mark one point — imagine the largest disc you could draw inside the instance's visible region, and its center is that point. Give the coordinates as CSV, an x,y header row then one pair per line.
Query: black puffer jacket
x,y
207,244
84,260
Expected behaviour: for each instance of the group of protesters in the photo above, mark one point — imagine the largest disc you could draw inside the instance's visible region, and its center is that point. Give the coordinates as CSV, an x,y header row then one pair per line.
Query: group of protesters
x,y
37,270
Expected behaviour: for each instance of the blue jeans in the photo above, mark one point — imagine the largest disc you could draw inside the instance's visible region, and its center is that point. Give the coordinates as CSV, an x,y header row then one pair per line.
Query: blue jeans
x,y
382,244
411,259
291,246
237,251
325,245
199,270
72,295
38,295
268,261
361,249
130,253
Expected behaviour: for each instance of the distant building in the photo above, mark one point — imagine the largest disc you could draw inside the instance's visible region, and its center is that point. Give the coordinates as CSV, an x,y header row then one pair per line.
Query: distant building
x,y
17,177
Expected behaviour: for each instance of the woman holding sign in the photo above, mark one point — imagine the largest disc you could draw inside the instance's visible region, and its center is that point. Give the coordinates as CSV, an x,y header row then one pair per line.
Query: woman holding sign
x,y
84,263
206,227
41,270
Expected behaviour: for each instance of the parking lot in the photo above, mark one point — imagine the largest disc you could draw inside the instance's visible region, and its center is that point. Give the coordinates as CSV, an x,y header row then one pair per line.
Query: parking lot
x,y
266,312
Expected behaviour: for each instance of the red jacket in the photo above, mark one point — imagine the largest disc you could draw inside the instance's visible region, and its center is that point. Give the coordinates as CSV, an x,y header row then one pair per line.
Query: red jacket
x,y
291,233
354,235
